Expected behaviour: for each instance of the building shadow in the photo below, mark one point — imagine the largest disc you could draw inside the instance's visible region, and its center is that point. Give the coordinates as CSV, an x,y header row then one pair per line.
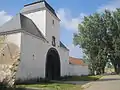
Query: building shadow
x,y
109,79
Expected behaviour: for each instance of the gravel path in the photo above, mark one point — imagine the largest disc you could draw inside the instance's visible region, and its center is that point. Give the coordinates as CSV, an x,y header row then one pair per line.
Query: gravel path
x,y
110,82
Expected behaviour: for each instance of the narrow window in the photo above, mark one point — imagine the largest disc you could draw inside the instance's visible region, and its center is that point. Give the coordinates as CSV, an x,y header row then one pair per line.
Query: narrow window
x,y
53,41
53,22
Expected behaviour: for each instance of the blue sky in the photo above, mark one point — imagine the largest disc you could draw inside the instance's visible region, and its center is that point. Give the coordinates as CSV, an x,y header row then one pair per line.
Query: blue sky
x,y
71,12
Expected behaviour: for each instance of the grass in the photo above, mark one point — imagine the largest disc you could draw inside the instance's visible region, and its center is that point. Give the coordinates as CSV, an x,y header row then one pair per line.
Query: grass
x,y
61,86
4,86
53,86
56,86
84,78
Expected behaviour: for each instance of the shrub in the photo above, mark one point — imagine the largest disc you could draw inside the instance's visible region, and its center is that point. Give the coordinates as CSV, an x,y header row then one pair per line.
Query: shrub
x,y
37,80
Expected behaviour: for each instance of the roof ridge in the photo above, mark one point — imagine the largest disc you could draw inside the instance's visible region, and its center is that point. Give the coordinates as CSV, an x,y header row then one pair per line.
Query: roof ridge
x,y
64,46
34,2
33,8
76,58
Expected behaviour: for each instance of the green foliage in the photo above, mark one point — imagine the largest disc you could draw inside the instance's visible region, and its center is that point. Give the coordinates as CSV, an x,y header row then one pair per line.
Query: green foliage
x,y
83,78
5,86
99,37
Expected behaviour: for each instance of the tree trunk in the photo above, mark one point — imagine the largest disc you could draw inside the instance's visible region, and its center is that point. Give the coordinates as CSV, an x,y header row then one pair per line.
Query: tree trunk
x,y
103,70
116,69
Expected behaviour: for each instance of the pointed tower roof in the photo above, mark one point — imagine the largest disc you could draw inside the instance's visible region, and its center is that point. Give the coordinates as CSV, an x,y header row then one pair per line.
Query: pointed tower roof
x,y
20,23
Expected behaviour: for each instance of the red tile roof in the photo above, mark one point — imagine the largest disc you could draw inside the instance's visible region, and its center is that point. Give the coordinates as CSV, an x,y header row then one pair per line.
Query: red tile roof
x,y
76,61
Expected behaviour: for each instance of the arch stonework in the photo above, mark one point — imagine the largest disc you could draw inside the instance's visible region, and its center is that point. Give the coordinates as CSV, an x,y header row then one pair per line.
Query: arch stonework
x,y
53,66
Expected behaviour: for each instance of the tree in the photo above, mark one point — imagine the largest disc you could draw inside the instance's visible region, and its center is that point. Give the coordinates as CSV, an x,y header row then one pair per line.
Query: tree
x,y
99,37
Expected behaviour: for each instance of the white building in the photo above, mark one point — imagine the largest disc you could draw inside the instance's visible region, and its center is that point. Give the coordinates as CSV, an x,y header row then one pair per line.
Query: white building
x,y
77,67
30,45
30,41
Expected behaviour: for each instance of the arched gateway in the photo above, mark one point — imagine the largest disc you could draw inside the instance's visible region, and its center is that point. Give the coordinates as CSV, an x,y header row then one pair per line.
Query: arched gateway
x,y
53,65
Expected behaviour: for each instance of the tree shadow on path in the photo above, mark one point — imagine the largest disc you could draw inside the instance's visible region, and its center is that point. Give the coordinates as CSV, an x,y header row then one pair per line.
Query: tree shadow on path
x,y
109,79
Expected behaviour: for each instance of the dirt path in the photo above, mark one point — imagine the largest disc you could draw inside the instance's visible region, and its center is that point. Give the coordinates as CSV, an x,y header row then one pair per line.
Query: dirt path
x,y
110,82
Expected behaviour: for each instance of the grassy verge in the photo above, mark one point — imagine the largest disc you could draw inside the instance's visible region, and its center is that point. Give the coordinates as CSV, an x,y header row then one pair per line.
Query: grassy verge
x,y
53,86
57,86
61,86
83,78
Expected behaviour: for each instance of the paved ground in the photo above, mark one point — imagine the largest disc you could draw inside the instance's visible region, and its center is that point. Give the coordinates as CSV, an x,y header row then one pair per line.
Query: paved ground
x,y
111,82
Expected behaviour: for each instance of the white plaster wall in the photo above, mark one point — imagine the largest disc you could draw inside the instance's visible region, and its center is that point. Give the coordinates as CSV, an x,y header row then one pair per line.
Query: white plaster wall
x,y
78,70
10,47
52,29
14,38
39,18
9,55
44,21
34,66
33,55
64,57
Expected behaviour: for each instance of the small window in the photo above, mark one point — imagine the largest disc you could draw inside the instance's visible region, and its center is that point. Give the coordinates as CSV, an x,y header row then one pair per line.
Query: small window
x,y
53,41
70,63
53,22
3,54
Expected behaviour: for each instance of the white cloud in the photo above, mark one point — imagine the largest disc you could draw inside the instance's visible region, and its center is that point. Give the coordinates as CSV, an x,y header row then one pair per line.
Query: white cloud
x,y
68,21
75,51
71,23
4,17
111,5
